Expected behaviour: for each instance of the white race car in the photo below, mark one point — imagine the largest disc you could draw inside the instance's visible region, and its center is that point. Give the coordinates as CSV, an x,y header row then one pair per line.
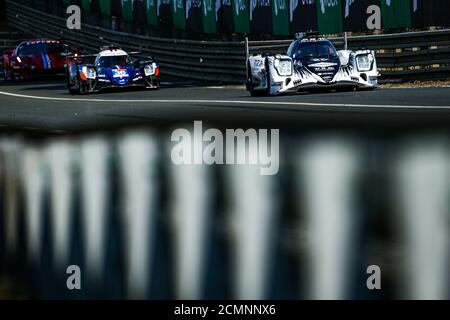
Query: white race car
x,y
311,63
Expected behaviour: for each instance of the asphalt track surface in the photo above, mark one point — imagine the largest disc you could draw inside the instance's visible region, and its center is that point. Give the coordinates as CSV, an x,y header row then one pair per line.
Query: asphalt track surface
x,y
46,106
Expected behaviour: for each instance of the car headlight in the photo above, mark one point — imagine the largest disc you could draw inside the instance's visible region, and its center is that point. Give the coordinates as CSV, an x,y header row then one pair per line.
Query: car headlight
x,y
149,70
90,72
364,62
284,67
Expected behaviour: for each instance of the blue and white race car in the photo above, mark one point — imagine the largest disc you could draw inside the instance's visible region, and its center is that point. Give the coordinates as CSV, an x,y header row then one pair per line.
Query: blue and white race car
x,y
111,68
311,63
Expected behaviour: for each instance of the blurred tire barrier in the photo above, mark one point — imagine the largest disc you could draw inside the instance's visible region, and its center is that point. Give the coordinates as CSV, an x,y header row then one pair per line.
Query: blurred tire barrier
x,y
139,226
401,57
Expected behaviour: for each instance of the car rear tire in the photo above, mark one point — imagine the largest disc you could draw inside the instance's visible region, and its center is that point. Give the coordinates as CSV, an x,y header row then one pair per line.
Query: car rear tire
x,y
73,91
70,87
82,87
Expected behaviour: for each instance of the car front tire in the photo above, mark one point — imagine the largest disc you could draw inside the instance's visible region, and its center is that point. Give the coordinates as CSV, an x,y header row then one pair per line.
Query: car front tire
x,y
70,87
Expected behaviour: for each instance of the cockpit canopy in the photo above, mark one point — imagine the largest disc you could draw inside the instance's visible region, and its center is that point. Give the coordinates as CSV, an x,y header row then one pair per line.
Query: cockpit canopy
x,y
304,50
112,61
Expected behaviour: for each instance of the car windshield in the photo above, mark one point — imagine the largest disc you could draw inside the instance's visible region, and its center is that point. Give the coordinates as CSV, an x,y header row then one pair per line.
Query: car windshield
x,y
314,50
112,61
33,48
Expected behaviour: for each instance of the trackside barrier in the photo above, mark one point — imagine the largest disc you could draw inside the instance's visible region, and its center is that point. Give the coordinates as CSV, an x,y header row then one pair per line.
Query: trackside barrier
x,y
139,226
401,57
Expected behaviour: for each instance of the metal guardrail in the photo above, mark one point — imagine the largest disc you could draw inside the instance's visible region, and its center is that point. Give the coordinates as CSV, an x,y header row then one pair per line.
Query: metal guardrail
x,y
139,226
403,56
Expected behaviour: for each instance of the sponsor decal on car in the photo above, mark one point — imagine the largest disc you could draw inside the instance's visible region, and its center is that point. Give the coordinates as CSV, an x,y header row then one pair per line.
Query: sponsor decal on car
x,y
323,64
120,73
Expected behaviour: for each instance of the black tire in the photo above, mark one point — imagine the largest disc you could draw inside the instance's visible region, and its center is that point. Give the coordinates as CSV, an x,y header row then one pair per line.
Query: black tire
x,y
72,91
267,76
82,87
260,93
70,86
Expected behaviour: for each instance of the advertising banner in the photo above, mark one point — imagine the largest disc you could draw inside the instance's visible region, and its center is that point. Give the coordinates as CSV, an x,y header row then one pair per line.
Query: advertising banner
x,y
194,15
127,10
280,17
86,5
179,14
70,2
95,6
396,13
116,8
150,10
225,16
361,15
139,12
430,13
329,16
303,15
209,16
260,16
241,17
105,7
164,14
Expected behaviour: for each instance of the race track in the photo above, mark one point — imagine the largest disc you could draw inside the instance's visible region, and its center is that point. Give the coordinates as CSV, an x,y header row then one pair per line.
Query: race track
x,y
47,107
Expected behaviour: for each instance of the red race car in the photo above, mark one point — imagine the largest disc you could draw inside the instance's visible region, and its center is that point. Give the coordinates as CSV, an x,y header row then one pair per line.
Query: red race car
x,y
35,58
